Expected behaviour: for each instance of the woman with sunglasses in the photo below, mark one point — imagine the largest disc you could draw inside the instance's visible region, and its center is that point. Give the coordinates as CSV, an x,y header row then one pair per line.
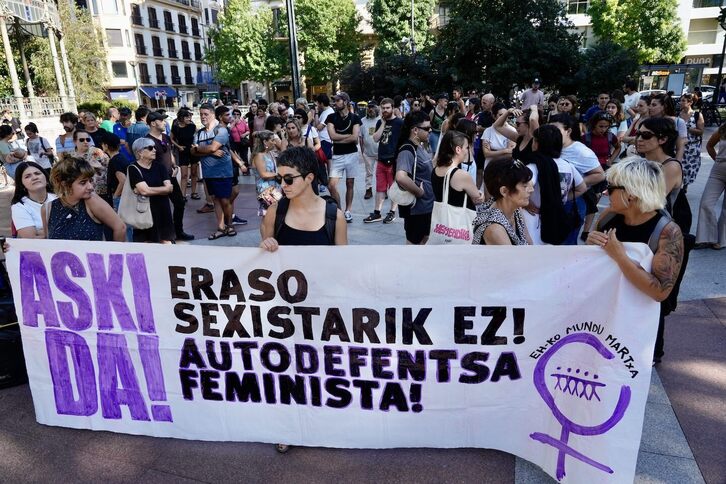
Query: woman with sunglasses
x,y
305,218
95,157
642,109
78,213
152,180
264,167
499,220
239,132
661,106
309,133
526,123
32,190
636,187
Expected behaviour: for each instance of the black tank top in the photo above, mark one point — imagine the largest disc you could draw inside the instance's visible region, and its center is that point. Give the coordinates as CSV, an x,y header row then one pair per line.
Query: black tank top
x,y
456,198
290,236
632,233
524,155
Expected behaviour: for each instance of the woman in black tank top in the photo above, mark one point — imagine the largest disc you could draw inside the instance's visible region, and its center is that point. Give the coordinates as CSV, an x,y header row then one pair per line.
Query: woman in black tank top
x,y
305,218
635,188
527,122
454,149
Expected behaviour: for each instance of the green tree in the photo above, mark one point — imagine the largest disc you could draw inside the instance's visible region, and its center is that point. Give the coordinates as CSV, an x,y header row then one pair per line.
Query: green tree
x,y
328,37
86,56
651,28
504,43
244,45
604,66
391,21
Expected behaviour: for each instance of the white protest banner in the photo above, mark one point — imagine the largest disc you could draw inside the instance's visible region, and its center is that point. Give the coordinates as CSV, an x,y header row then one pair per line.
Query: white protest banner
x,y
543,352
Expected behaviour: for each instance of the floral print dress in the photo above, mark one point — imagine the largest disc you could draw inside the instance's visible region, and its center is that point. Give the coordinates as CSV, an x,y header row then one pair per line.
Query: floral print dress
x,y
692,155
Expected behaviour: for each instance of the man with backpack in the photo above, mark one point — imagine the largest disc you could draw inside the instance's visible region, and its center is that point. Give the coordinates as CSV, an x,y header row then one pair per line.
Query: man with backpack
x,y
387,132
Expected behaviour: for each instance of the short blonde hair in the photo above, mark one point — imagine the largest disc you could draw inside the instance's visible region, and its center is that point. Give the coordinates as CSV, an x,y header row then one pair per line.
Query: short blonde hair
x,y
642,179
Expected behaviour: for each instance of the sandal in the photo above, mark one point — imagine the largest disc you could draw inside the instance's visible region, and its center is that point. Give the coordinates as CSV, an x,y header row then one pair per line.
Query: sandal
x,y
229,231
195,196
218,234
282,448
207,208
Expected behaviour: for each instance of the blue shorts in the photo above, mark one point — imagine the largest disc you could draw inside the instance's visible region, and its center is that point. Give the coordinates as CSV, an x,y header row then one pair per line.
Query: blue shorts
x,y
219,187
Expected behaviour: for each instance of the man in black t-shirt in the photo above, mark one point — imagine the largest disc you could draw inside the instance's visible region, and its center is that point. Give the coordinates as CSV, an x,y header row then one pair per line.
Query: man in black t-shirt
x,y
182,135
165,156
388,130
344,129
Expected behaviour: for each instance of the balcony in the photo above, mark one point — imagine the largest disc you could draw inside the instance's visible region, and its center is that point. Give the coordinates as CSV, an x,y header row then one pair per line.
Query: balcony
x,y
158,52
153,23
188,80
141,49
173,53
160,79
195,31
137,20
144,79
176,80
183,29
169,26
186,55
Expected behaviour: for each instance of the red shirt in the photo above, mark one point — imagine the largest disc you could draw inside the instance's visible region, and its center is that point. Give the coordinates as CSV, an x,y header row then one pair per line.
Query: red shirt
x,y
601,147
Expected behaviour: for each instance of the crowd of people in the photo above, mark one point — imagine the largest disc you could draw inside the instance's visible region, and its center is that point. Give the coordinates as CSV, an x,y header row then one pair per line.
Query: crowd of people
x,y
526,173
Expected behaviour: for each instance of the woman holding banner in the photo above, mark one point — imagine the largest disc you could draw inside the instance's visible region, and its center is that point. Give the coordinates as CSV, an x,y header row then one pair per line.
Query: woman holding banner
x,y
636,188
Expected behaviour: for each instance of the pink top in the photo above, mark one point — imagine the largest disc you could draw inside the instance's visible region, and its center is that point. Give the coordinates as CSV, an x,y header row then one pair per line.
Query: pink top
x,y
238,130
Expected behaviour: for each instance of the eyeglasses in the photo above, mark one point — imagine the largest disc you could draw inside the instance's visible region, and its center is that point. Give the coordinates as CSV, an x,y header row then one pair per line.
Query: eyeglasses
x,y
612,188
646,135
298,117
425,128
150,148
84,140
288,179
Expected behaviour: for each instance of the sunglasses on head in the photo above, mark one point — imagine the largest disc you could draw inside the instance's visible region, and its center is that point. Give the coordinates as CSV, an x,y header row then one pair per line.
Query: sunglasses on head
x,y
288,179
646,135
612,188
84,140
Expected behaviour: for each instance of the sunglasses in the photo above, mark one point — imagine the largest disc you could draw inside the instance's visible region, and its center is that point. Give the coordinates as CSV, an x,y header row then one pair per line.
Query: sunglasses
x,y
298,117
425,128
150,148
84,140
646,135
288,179
612,188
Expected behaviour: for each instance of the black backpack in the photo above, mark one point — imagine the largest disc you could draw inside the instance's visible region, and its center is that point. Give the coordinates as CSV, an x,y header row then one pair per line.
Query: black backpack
x,y
331,216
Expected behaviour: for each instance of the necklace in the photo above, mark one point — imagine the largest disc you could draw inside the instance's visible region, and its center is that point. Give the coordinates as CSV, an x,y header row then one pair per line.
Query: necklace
x,y
36,201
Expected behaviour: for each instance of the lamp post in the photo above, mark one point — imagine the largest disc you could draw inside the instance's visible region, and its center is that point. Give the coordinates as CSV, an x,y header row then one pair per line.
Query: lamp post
x,y
292,38
722,23
136,82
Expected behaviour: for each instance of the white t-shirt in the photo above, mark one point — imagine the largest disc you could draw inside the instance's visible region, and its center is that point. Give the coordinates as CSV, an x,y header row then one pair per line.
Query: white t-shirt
x,y
496,140
27,213
581,157
324,136
37,147
631,100
313,132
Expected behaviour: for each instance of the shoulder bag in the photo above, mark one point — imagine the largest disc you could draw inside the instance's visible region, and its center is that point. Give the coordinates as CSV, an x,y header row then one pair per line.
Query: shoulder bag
x,y
133,208
398,195
451,225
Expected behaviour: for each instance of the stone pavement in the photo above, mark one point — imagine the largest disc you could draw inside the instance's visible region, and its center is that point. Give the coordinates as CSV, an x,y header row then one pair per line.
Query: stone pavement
x,y
683,436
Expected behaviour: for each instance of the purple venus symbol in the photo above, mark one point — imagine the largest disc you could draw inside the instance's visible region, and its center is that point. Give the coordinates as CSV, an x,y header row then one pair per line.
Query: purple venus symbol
x,y
569,381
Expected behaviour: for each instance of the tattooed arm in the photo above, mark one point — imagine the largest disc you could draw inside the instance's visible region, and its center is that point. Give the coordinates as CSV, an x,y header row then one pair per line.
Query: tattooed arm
x,y
666,265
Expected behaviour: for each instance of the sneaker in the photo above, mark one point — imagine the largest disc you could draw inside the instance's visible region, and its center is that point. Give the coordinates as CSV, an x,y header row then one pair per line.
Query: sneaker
x,y
389,218
375,216
189,183
348,216
238,221
184,236
369,194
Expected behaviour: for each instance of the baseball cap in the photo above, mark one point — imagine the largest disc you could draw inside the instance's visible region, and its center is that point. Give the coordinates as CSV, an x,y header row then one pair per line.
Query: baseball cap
x,y
125,111
442,95
536,80
372,103
342,95
154,116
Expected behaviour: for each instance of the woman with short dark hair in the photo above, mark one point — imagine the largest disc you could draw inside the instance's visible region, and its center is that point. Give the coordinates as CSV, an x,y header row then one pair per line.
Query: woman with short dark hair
x,y
499,220
662,106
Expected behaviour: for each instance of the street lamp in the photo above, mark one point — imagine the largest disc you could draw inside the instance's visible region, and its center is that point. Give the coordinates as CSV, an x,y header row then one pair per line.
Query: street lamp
x,y
292,36
136,82
722,23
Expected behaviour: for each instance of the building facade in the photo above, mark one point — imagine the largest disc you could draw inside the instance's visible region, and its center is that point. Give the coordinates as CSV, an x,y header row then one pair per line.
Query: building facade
x,y
156,49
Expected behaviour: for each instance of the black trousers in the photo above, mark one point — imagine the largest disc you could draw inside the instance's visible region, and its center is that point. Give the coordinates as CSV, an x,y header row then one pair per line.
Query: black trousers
x,y
178,203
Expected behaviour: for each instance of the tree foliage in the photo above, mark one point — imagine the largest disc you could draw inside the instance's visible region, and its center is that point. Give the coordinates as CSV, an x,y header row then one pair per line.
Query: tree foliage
x,y
244,46
651,28
603,67
391,21
86,56
506,43
328,37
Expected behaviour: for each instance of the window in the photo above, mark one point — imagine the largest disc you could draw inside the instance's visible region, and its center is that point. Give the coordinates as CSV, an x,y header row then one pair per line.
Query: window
x,y
206,16
702,31
195,26
136,15
708,3
172,48
109,6
144,74
182,24
197,51
113,36
168,24
153,19
215,14
160,77
140,44
443,18
119,69
276,22
175,79
188,75
577,6
156,46
185,50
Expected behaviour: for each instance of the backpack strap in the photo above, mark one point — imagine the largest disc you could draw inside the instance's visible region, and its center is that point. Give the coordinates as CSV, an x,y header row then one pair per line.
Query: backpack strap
x,y
331,218
282,205
604,220
664,220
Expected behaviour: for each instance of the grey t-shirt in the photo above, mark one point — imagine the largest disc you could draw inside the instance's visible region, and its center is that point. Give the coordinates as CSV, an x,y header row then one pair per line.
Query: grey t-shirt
x,y
404,162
